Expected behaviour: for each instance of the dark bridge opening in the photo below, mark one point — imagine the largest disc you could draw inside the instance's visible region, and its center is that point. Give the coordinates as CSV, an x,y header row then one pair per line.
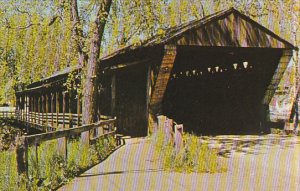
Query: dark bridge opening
x,y
220,90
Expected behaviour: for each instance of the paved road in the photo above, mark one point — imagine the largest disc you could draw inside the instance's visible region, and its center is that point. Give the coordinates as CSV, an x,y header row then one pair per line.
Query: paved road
x,y
254,163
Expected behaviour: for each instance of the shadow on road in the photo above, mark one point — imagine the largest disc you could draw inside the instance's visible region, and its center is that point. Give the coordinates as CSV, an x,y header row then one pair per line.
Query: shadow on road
x,y
121,172
227,145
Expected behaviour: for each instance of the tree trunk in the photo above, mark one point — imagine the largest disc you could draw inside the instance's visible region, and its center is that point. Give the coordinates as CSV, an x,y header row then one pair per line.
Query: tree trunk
x,y
90,83
77,33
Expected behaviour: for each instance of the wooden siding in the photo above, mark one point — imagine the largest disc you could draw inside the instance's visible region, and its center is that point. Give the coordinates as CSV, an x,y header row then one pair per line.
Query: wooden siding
x,y
283,63
131,101
162,78
282,91
233,31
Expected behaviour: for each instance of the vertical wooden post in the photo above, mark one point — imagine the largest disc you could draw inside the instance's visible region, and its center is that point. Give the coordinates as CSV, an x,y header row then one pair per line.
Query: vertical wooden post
x,y
113,94
57,108
31,108
78,110
47,109
37,159
26,113
161,122
52,109
64,109
35,108
28,107
62,142
20,108
168,128
25,108
178,137
70,110
162,79
149,121
39,109
17,106
43,109
22,156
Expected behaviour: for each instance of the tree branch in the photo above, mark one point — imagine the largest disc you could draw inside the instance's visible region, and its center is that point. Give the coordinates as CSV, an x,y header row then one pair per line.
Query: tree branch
x,y
23,27
54,19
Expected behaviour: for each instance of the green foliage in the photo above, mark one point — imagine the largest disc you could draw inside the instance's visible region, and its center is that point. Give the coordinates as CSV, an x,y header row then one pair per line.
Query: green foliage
x,y
104,146
7,136
193,157
37,40
51,169
8,170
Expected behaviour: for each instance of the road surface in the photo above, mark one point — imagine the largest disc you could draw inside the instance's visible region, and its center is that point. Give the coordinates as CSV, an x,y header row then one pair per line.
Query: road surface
x,y
254,163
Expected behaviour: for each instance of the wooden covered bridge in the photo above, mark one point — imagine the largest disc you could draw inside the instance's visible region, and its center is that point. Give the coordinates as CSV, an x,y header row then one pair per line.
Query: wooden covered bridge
x,y
214,75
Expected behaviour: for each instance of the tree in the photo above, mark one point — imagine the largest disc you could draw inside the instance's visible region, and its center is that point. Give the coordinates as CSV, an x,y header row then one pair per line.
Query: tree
x,y
90,61
38,38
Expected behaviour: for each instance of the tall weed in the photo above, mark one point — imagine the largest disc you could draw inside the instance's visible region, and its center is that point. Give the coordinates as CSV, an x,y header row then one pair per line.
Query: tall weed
x,y
193,157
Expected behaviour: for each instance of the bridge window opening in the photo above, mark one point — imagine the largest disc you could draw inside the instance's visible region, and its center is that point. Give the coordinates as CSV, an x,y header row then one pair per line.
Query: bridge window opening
x,y
235,65
245,64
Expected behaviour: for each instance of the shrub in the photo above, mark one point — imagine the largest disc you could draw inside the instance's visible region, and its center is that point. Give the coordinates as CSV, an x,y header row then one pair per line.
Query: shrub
x,y
52,170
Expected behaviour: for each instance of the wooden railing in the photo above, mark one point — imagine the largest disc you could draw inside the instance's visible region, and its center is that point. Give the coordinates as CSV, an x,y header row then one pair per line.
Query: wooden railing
x,y
46,121
7,115
96,130
49,121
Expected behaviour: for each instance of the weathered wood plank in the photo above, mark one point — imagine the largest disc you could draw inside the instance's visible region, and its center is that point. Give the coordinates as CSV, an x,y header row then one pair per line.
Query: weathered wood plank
x,y
34,139
163,78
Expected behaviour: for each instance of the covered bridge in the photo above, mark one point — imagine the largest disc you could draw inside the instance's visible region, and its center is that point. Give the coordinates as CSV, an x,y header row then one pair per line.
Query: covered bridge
x,y
215,75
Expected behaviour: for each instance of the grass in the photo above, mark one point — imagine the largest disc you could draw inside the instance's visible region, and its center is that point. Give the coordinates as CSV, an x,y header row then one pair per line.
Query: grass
x,y
51,169
193,157
8,170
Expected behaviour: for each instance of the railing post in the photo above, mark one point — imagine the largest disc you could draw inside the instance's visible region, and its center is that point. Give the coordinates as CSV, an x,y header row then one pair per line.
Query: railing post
x,y
64,109
35,108
22,156
43,110
26,113
47,110
39,109
78,110
21,108
70,110
63,142
36,146
52,109
178,137
62,147
57,108
31,108
168,128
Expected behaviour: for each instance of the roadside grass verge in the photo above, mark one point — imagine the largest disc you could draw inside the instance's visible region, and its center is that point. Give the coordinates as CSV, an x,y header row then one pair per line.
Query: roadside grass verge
x,y
193,157
48,170
8,170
